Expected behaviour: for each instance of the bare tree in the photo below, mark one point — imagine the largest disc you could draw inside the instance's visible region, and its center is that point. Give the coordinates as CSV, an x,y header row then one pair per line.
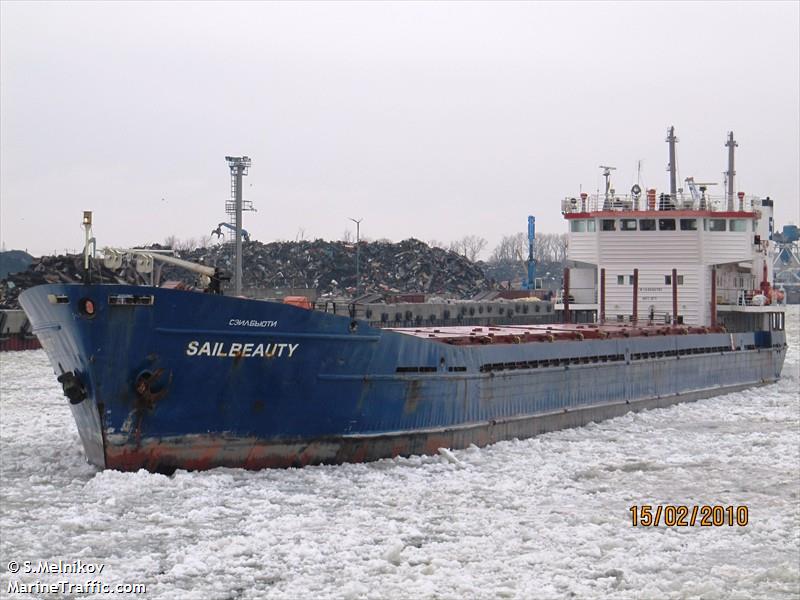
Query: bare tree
x,y
473,246
511,248
548,247
470,246
185,245
543,247
562,245
347,236
188,244
457,247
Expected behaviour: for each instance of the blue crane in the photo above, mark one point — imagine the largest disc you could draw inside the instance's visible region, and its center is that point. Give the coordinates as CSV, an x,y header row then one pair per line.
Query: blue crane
x,y
531,283
218,231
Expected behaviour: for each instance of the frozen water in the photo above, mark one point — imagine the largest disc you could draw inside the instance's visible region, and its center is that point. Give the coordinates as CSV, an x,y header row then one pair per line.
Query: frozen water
x,y
541,518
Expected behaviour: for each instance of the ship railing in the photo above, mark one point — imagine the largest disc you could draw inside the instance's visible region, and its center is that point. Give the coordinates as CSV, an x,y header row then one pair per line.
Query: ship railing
x,y
746,297
448,314
482,321
653,318
589,203
578,295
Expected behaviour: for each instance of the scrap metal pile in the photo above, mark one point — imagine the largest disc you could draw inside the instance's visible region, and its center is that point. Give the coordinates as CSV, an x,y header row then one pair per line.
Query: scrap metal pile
x,y
329,267
60,269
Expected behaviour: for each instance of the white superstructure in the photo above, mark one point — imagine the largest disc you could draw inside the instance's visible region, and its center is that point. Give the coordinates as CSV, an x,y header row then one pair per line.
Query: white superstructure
x,y
684,258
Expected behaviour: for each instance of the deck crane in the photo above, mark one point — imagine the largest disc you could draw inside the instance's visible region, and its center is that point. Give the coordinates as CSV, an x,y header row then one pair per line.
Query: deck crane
x,y
698,191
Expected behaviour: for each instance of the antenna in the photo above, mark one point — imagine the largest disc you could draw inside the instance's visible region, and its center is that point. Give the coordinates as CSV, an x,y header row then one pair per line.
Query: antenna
x,y
607,174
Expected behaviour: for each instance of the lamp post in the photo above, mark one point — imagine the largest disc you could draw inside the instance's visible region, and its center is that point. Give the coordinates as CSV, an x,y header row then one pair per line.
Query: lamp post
x,y
358,254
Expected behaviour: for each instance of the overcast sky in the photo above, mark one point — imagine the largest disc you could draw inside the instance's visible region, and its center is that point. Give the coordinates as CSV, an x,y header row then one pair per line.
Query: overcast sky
x,y
427,120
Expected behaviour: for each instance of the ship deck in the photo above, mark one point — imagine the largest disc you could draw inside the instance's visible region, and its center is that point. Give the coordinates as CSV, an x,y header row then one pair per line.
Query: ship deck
x,y
517,334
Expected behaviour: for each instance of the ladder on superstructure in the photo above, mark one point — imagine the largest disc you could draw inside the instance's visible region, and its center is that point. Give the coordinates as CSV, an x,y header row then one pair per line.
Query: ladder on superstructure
x,y
230,203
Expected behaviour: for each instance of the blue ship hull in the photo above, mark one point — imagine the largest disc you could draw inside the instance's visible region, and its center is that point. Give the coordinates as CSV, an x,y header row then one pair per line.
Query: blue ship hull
x,y
164,379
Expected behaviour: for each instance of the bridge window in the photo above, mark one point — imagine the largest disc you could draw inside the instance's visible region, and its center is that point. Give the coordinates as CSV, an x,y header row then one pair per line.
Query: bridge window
x,y
627,224
591,225
716,224
668,279
578,226
608,225
647,225
620,279
738,225
688,224
666,224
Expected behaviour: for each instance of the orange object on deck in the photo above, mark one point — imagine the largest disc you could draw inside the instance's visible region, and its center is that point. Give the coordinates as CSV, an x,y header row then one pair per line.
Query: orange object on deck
x,y
299,301
651,199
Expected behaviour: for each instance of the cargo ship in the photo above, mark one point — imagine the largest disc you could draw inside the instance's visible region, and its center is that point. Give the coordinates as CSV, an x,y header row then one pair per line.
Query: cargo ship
x,y
666,298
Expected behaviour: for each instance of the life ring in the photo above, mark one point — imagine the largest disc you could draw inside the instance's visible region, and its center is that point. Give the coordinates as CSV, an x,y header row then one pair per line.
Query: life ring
x,y
636,190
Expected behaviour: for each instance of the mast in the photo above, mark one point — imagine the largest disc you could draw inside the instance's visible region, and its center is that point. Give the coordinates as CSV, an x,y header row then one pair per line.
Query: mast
x,y
234,207
731,144
673,184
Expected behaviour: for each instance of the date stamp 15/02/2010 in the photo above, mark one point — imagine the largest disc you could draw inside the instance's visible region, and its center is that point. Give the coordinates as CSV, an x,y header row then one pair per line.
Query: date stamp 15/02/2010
x,y
678,515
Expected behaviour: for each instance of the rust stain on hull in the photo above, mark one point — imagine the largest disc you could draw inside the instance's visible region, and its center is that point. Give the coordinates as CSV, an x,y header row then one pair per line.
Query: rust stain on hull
x,y
413,397
208,451
149,389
